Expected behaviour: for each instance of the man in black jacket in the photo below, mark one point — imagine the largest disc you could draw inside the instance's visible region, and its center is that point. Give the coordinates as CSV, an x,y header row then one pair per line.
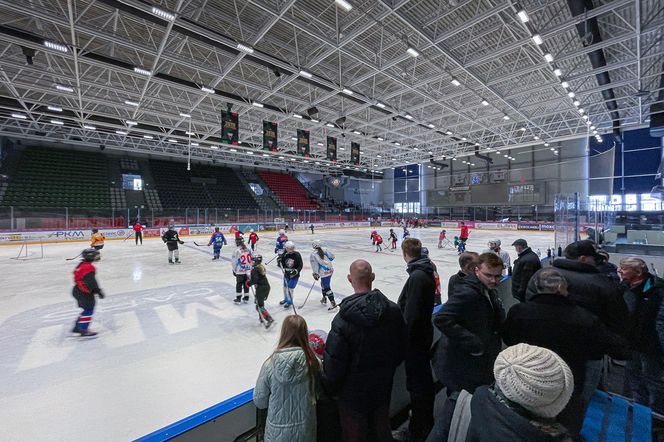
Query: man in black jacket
x,y
524,268
416,304
596,293
364,347
467,265
553,321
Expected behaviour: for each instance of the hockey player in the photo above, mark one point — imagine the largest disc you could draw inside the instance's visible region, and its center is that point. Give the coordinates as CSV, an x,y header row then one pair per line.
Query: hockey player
x,y
172,239
393,239
292,266
97,239
463,237
321,266
85,289
373,237
138,232
379,242
436,298
279,246
258,279
494,247
253,239
406,233
312,228
442,237
217,241
241,263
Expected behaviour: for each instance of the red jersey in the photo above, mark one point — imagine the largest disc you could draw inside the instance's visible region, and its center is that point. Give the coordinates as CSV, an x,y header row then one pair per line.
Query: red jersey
x,y
378,238
138,227
82,270
238,234
464,232
441,236
253,238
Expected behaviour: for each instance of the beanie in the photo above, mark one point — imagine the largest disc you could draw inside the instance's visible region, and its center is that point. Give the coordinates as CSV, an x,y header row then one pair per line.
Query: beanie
x,y
535,378
317,340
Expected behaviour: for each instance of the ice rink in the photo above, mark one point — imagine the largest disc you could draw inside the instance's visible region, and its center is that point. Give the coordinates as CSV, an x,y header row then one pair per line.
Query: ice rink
x,y
171,342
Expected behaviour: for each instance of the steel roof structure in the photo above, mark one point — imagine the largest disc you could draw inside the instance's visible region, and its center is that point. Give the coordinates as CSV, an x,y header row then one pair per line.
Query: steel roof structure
x,y
409,80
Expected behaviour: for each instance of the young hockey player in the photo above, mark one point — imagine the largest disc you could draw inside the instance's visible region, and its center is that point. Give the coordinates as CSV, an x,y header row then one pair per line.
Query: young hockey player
x,y
85,289
292,266
494,247
241,263
406,233
279,246
258,279
172,239
321,266
379,242
97,239
138,232
393,239
436,298
463,237
442,237
217,241
312,228
373,237
253,239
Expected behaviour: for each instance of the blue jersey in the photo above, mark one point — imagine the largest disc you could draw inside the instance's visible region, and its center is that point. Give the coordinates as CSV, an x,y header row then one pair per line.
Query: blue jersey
x,y
281,244
217,239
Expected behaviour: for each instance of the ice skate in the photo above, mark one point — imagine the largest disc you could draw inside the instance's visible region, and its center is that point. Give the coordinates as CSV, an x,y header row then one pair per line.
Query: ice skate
x,y
268,322
245,299
177,261
238,300
323,300
332,306
170,261
282,302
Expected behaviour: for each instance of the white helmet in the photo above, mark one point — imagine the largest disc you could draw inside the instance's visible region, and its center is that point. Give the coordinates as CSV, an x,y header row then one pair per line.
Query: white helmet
x,y
494,243
252,230
316,244
290,245
281,232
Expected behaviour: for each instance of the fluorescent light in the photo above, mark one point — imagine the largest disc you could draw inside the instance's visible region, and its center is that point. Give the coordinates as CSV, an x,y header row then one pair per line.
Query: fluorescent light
x,y
163,14
257,104
56,46
571,94
585,117
142,71
576,103
19,116
592,128
194,144
189,133
131,123
64,88
214,147
293,138
506,117
281,158
245,48
265,155
454,159
342,148
522,129
409,116
546,144
148,137
313,120
172,140
412,52
485,103
455,82
319,144
431,126
523,16
538,39
357,132
581,110
553,149
347,91
343,4
558,72
293,159
415,148
536,137
183,115
306,74
233,150
330,125
250,153
548,57
131,103
58,122
120,132
396,143
564,84
380,139
55,108
449,132
464,138
88,127
297,115
380,105
208,90
505,156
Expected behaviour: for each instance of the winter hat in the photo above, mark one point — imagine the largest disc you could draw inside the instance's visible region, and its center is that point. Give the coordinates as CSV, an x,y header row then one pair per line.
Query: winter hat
x,y
535,378
317,340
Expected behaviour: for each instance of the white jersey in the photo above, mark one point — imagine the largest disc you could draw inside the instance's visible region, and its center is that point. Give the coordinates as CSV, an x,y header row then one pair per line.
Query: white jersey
x,y
241,261
322,266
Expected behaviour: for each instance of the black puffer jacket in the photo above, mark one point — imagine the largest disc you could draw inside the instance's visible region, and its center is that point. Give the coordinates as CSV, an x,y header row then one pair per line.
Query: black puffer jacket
x,y
416,304
366,344
454,280
593,291
524,268
646,324
470,322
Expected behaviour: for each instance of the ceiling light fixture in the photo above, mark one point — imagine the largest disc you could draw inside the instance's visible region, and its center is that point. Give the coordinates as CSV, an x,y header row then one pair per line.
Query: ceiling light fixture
x,y
558,72
184,115
380,105
412,52
257,104
131,103
343,4
564,84
148,137
142,71
536,137
245,48
306,74
576,103
571,94
131,123
208,90
431,126
449,132
163,14
88,127
172,140
347,91
19,116
56,46
409,116
506,117
357,132
330,125
54,108
297,116
58,122
485,103
120,132
580,110
548,57
64,88
455,82
538,39
523,16
380,139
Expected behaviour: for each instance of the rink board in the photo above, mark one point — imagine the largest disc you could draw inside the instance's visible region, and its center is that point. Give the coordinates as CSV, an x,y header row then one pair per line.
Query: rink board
x,y
171,341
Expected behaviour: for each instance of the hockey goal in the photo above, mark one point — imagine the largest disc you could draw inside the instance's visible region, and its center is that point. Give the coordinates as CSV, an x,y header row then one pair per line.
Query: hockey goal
x,y
30,250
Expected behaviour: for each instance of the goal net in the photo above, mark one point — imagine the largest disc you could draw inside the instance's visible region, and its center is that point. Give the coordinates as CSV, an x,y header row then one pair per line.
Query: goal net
x,y
30,250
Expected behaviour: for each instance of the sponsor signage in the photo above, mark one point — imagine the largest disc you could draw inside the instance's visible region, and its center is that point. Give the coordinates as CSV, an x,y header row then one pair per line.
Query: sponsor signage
x,y
459,188
528,226
548,227
505,226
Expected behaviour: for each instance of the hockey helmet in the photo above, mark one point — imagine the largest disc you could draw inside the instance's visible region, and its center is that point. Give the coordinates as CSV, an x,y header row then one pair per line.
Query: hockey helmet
x,y
494,243
239,241
424,251
257,259
251,231
373,232
171,227
95,230
216,229
316,244
281,232
90,255
290,245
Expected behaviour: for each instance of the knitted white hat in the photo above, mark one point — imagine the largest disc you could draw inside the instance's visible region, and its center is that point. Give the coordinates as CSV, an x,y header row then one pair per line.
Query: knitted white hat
x,y
535,378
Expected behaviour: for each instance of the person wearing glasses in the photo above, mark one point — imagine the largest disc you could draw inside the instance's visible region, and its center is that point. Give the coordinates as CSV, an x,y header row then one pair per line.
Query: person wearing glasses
x,y
470,322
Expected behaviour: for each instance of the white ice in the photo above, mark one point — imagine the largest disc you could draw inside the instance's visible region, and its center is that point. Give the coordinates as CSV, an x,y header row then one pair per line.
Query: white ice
x,y
171,342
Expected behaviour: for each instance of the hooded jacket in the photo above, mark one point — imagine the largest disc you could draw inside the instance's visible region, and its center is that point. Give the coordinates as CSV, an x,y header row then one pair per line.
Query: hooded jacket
x,y
524,268
366,344
591,290
470,323
283,388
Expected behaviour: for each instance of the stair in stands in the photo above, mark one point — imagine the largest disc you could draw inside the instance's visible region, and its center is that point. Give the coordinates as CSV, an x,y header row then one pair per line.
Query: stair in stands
x,y
265,201
289,190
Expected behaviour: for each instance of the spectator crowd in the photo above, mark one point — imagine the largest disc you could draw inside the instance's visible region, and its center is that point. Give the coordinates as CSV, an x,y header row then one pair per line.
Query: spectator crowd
x,y
526,373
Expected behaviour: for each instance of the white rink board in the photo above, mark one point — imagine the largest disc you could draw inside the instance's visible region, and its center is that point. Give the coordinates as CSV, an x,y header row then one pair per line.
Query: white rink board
x,y
171,341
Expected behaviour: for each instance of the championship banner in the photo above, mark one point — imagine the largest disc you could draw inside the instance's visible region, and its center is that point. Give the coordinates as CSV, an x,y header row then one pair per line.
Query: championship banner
x,y
303,146
229,128
332,149
355,153
270,136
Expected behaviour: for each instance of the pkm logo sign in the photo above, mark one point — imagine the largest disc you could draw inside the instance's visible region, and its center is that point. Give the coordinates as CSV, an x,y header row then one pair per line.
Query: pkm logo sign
x,y
67,234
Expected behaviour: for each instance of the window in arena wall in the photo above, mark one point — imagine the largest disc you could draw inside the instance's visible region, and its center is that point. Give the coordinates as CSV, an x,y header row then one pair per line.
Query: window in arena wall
x,y
649,204
631,204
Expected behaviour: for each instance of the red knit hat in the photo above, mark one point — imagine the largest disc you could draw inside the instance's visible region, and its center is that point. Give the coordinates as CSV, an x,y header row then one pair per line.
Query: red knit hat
x,y
317,340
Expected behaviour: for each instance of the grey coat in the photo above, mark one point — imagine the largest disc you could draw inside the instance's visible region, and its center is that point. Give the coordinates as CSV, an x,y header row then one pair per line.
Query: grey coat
x,y
283,388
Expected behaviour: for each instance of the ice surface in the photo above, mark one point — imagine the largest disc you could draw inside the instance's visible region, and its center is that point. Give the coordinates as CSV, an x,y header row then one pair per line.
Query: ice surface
x,y
171,340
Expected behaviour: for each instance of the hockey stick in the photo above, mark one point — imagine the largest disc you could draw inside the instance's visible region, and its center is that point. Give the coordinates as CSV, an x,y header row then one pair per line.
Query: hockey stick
x,y
275,256
654,270
130,235
71,259
307,298
200,245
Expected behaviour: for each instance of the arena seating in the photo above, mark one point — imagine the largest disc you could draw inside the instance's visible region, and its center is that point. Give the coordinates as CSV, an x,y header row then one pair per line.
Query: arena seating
x,y
59,178
289,190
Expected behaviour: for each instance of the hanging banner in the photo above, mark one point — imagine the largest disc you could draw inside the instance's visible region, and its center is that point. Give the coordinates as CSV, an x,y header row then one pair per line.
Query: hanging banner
x,y
355,153
229,128
270,136
332,149
303,147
